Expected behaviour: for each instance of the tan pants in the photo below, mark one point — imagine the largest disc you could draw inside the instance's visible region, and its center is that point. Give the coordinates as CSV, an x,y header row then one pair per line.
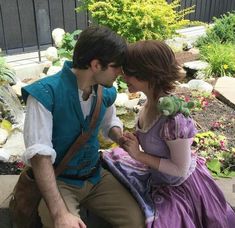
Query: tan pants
x,y
107,199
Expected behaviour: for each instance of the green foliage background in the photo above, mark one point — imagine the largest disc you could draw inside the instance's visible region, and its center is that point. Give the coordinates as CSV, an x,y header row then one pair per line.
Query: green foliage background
x,y
217,47
138,19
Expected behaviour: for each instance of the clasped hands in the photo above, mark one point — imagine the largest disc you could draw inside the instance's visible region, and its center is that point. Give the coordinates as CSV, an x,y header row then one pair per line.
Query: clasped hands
x,y
129,142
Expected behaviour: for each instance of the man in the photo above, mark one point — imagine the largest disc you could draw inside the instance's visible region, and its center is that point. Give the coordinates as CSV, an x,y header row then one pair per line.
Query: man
x,y
59,109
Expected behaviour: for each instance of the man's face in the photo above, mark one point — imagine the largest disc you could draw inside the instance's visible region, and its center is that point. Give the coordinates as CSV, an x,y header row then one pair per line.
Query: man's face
x,y
108,76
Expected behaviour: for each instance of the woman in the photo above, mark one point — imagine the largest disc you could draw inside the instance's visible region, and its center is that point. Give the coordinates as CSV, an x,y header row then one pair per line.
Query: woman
x,y
171,184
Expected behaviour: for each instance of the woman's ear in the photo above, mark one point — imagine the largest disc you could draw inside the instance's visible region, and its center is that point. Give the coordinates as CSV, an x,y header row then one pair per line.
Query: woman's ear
x,y
95,65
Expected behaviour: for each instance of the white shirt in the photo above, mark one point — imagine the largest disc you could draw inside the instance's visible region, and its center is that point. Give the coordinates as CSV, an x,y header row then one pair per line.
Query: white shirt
x,y
38,126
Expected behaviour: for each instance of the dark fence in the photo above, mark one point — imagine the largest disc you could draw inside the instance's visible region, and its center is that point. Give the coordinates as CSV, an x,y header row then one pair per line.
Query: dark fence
x,y
26,25
205,10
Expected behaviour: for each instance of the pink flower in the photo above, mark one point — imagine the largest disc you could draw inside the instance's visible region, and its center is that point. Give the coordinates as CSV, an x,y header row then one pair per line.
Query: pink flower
x,y
187,99
204,103
216,125
222,145
20,165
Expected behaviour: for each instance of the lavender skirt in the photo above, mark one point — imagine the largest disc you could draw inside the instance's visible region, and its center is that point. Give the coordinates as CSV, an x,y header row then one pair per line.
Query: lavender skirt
x,y
196,203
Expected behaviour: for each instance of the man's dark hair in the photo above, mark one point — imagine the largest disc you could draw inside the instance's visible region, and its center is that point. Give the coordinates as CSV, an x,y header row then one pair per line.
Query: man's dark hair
x,y
98,42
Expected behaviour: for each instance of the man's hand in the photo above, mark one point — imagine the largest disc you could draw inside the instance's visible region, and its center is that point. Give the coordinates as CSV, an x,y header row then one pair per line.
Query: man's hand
x,y
131,145
68,220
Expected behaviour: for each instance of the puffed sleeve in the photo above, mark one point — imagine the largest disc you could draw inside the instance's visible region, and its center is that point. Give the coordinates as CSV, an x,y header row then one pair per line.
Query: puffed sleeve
x,y
178,126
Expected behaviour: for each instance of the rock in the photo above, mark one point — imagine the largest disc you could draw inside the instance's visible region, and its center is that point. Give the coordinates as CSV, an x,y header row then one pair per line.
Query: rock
x,y
196,65
17,88
4,156
183,86
193,67
224,90
51,54
200,85
53,70
15,143
3,136
130,104
121,99
57,35
10,106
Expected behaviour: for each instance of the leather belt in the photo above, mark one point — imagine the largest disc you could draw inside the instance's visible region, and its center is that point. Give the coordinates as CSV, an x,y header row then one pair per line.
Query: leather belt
x,y
82,177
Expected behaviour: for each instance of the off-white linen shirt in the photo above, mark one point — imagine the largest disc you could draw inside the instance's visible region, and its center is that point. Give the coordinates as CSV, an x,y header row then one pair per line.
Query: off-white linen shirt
x,y
38,126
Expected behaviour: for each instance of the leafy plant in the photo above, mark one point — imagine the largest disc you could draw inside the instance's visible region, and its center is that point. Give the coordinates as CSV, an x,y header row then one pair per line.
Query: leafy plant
x,y
221,58
213,148
6,74
122,86
200,100
223,31
138,20
68,44
127,117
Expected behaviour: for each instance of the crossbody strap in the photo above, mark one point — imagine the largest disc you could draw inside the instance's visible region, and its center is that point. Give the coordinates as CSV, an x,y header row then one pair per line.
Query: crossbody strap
x,y
82,139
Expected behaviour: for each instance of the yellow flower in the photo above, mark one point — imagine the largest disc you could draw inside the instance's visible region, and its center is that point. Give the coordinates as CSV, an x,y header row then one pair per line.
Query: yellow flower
x,y
225,66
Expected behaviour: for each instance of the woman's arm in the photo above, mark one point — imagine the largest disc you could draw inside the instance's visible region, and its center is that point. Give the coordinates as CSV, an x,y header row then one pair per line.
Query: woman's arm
x,y
177,165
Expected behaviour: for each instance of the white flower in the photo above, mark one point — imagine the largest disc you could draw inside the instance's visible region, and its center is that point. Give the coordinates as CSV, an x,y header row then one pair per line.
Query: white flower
x,y
51,54
57,35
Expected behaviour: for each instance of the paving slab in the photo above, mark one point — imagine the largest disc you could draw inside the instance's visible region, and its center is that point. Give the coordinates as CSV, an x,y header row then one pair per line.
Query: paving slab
x,y
225,90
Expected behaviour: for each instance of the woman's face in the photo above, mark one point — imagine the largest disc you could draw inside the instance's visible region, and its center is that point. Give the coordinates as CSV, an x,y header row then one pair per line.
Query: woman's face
x,y
135,85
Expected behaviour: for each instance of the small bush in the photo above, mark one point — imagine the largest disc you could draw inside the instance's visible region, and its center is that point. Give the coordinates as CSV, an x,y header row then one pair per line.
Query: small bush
x,y
68,43
221,58
222,31
139,20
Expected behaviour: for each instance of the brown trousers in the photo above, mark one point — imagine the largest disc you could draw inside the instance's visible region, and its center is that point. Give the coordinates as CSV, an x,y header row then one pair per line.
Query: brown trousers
x,y
108,199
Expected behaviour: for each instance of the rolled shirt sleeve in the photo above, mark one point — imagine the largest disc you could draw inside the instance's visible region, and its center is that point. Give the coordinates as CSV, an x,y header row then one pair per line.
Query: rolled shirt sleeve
x,y
110,120
37,131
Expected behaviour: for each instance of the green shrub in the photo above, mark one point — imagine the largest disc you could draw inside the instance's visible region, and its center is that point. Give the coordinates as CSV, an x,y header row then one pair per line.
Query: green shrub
x,y
138,20
221,58
222,31
68,43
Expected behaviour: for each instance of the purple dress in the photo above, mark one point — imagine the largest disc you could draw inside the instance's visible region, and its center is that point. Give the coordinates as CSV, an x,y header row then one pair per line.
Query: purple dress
x,y
194,201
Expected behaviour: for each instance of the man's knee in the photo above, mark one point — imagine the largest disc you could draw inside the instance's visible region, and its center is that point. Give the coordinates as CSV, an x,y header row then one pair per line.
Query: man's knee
x,y
135,218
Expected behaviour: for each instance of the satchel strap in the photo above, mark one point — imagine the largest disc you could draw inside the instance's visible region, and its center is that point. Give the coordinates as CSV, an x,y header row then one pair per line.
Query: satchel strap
x,y
82,139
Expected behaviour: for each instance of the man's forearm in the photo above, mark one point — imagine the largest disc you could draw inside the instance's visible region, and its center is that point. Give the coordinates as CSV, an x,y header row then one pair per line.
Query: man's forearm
x,y
45,178
115,133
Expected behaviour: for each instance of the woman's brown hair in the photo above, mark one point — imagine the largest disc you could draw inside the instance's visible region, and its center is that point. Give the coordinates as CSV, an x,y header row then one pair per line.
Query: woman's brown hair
x,y
155,62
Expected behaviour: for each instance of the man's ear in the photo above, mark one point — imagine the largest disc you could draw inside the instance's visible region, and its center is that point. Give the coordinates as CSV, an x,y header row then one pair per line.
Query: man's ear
x,y
95,65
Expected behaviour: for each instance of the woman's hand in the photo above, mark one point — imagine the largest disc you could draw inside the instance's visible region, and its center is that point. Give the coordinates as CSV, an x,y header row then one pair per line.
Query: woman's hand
x,y
131,145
